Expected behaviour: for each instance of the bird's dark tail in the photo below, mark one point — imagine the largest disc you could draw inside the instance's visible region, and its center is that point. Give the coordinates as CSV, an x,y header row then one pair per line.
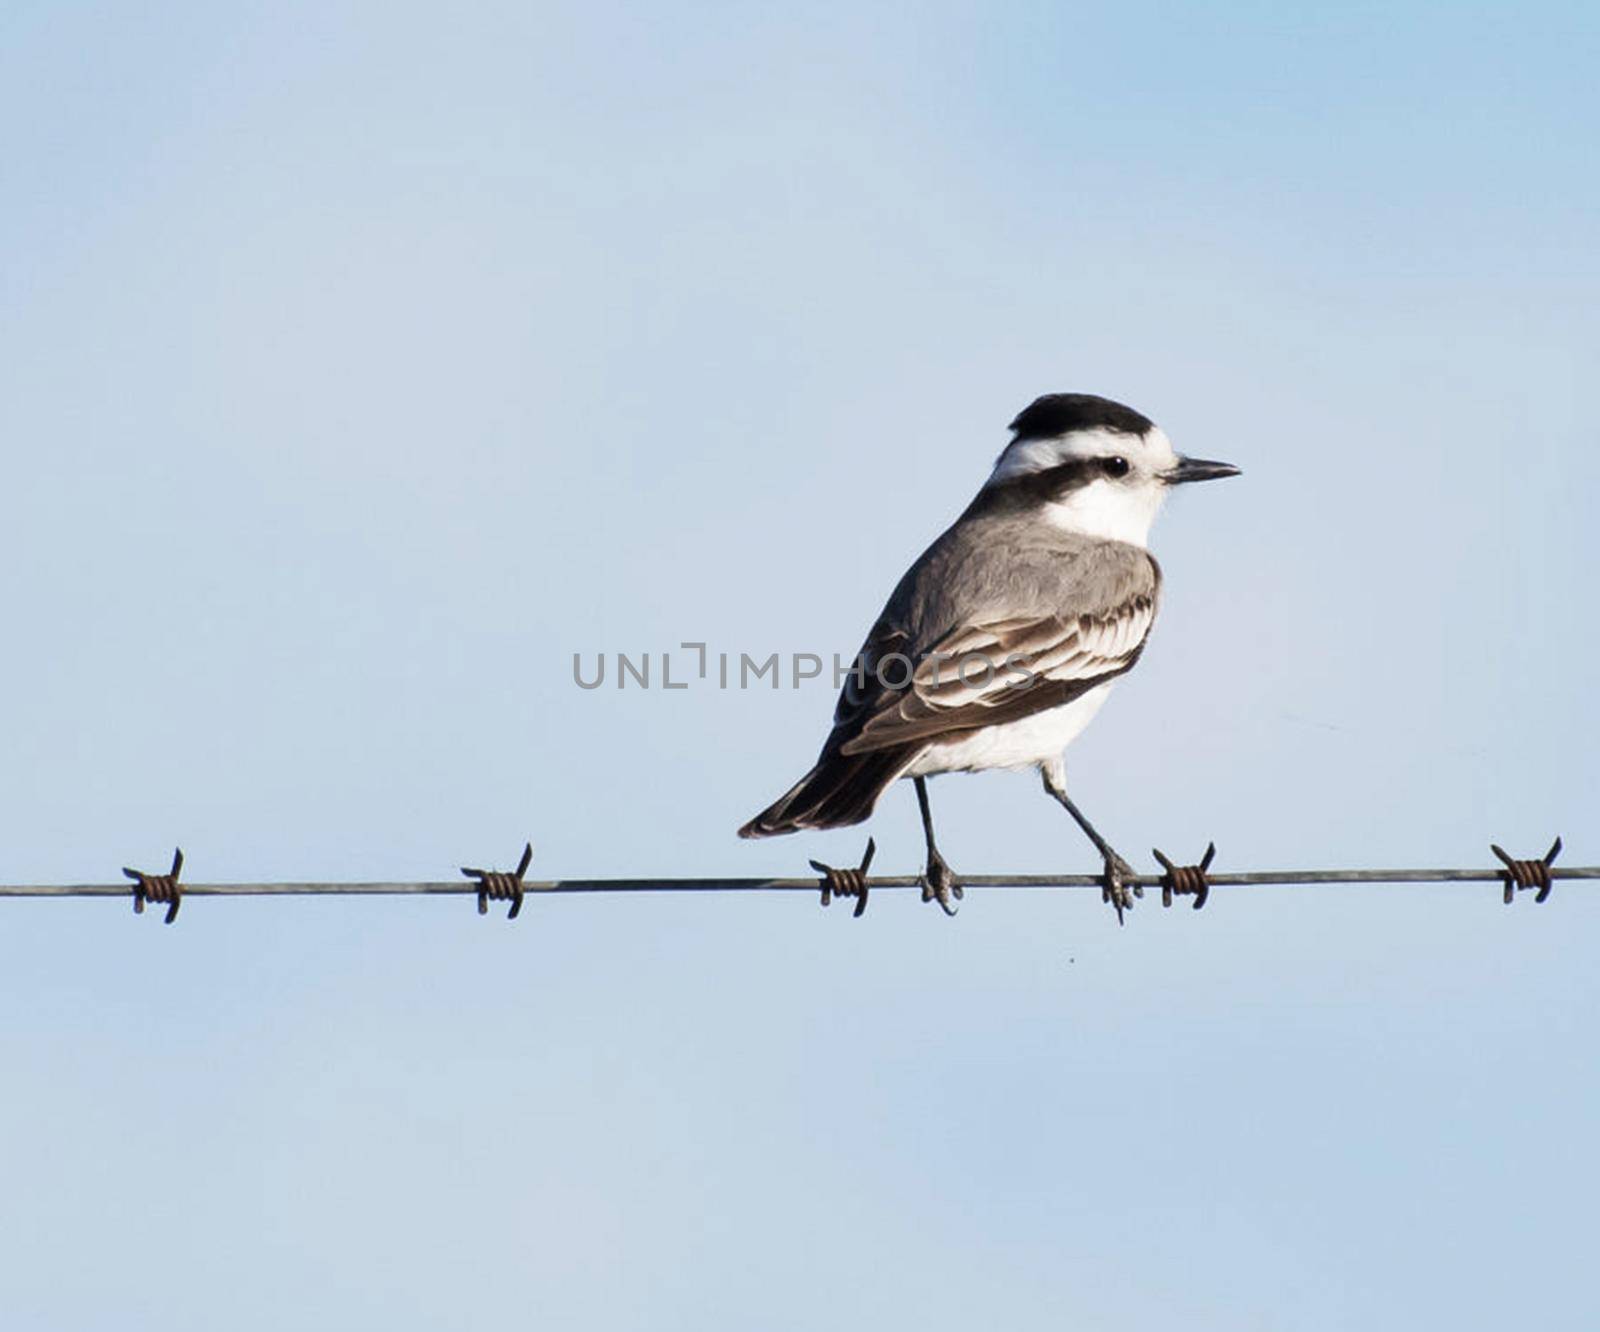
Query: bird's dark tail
x,y
839,791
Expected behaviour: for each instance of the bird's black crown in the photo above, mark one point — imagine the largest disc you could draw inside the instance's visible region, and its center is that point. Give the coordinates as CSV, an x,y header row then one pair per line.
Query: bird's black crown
x,y
1062,413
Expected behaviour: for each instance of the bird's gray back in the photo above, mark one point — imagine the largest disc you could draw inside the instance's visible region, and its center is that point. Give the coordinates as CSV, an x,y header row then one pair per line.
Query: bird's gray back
x,y
1005,568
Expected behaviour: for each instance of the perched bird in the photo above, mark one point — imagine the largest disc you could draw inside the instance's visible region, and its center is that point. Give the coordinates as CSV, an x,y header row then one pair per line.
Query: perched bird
x,y
1001,642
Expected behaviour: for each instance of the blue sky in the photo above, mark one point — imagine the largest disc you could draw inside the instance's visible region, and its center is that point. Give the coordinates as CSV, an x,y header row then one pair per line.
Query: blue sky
x,y
359,365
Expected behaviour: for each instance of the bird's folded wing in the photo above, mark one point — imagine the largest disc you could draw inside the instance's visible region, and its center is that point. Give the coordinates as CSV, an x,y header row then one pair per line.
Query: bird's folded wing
x,y
1002,670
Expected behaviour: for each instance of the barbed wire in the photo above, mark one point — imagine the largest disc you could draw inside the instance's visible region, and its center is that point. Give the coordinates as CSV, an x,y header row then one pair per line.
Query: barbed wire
x,y
511,886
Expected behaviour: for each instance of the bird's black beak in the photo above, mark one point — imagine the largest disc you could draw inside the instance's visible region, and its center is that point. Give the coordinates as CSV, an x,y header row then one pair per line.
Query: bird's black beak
x,y
1198,469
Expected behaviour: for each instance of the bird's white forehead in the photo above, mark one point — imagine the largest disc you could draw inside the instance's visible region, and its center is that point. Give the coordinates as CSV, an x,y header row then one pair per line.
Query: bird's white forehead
x,y
1150,453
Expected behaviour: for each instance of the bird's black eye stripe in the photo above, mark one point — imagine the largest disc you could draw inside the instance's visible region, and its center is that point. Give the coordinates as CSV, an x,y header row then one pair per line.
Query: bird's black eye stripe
x,y
1114,466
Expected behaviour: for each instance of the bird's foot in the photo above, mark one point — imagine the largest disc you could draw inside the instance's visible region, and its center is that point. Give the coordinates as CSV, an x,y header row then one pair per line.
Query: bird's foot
x,y
1115,890
939,884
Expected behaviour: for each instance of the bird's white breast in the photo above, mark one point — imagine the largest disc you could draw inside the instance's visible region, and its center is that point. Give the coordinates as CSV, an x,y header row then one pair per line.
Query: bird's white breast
x,y
1025,743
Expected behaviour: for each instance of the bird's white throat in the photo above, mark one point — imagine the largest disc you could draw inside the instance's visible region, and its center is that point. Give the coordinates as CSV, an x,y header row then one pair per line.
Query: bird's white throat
x,y
1105,509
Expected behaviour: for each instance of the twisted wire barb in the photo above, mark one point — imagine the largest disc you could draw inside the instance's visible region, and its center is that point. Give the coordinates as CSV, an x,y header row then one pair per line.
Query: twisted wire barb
x,y
500,886
847,882
1521,874
160,887
1186,880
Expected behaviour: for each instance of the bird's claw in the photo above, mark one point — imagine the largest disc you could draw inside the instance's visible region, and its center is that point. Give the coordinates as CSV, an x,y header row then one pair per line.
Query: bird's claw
x,y
939,884
1115,890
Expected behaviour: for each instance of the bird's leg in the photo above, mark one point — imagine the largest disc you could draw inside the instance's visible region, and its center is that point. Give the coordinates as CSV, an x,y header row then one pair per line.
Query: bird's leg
x,y
1115,888
938,882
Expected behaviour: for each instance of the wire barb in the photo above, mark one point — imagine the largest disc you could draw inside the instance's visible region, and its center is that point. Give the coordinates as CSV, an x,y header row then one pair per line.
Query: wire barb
x,y
1185,880
158,887
500,886
847,882
1522,874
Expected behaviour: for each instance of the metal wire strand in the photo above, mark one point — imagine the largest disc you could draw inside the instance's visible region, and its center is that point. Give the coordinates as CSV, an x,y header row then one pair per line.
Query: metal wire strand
x,y
448,887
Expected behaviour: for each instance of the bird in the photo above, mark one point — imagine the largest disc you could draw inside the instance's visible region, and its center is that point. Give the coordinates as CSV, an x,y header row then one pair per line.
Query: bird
x,y
1003,639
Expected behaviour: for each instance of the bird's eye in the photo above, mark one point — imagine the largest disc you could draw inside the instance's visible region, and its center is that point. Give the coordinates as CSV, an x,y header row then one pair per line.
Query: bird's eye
x,y
1115,466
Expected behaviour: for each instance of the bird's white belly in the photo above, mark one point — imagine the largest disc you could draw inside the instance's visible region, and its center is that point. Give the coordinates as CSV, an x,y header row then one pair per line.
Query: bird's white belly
x,y
1019,744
